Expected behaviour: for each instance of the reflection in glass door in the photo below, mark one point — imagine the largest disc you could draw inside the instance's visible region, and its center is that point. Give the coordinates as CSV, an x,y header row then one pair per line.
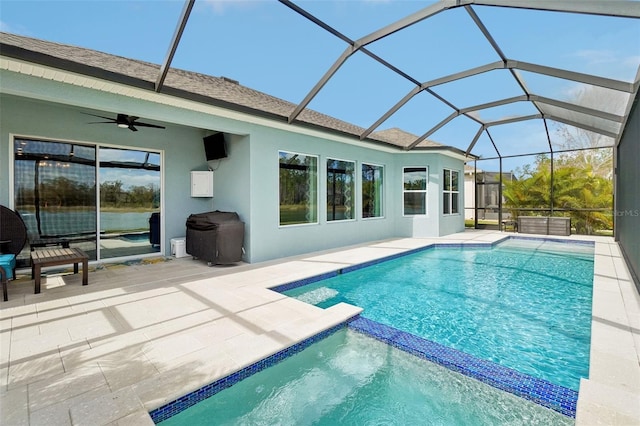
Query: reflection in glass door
x,y
55,193
129,202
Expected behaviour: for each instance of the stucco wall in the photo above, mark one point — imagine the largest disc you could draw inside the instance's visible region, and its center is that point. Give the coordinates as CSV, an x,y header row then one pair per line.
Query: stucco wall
x,y
245,182
182,147
269,240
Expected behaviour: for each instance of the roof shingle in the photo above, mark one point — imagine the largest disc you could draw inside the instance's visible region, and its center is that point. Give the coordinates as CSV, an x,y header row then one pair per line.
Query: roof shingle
x,y
205,88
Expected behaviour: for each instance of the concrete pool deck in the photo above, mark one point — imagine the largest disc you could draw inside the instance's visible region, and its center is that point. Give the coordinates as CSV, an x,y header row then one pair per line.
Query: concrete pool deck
x,y
139,336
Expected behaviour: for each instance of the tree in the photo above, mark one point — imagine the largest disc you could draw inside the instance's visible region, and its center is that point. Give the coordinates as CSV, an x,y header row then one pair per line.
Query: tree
x,y
582,170
577,192
111,193
529,188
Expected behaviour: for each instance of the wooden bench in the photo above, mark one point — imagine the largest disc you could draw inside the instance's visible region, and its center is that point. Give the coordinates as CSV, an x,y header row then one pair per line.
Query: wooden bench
x,y
58,256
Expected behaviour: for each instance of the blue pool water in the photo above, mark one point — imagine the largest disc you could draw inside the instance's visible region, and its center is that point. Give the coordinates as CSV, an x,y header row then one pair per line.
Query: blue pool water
x,y
524,304
351,379
516,317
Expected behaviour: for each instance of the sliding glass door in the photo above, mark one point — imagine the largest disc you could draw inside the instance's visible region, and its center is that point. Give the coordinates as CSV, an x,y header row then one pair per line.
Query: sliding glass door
x,y
56,194
129,202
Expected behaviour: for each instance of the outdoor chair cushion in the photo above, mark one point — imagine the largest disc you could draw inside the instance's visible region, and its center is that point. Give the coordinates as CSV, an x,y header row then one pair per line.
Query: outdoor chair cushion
x,y
7,266
8,262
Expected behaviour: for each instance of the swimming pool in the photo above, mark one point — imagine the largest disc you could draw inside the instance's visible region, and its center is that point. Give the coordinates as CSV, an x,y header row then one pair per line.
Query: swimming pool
x,y
524,304
516,257
349,378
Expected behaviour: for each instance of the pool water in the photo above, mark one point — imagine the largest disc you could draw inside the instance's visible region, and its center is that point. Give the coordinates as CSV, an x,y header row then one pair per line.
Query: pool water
x,y
351,379
524,304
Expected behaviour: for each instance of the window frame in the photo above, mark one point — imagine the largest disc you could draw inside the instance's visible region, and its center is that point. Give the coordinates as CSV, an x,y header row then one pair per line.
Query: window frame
x,y
353,190
316,206
447,189
425,191
382,191
98,175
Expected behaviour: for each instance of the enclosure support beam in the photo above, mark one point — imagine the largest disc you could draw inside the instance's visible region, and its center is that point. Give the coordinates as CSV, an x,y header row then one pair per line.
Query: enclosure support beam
x,y
177,35
615,8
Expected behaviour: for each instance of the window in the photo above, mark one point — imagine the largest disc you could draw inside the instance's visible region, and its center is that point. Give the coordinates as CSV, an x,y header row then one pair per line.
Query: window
x,y
340,189
372,190
415,190
298,188
450,192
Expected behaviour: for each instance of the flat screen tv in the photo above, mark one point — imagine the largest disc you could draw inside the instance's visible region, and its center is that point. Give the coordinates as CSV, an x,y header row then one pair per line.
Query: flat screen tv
x,y
215,147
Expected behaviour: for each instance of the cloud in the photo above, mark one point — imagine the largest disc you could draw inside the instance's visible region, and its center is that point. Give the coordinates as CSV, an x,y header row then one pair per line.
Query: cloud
x,y
609,63
220,7
6,28
592,56
632,61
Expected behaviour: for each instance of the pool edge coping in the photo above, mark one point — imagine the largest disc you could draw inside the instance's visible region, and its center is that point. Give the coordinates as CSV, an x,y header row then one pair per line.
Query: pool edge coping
x,y
198,395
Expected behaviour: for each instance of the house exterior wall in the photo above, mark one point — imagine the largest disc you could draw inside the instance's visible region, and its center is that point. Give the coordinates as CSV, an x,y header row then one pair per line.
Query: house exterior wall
x,y
450,224
20,117
247,181
269,239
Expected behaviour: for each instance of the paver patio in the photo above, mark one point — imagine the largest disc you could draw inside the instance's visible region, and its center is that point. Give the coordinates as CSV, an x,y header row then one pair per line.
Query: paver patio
x,y
141,335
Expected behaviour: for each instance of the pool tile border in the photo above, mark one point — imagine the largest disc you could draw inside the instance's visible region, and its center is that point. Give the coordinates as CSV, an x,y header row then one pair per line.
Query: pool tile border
x,y
176,406
542,392
558,398
555,240
309,280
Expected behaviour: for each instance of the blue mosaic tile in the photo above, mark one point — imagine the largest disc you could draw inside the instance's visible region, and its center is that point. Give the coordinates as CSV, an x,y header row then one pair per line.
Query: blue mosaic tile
x,y
180,404
554,240
540,391
547,394
305,281
309,280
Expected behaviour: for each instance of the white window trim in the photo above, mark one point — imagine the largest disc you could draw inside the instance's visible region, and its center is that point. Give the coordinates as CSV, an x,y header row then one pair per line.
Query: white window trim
x,y
451,192
426,192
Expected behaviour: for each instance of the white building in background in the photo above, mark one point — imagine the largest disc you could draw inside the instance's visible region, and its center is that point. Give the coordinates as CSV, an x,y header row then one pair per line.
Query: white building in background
x,y
487,186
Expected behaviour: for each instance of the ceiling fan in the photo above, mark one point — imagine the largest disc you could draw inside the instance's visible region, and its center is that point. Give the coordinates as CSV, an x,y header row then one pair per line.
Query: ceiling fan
x,y
125,122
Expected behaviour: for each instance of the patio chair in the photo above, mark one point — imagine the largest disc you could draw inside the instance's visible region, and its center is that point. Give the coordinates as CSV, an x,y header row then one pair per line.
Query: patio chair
x,y
13,237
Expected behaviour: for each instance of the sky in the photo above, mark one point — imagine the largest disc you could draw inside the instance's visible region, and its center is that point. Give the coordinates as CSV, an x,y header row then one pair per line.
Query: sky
x,y
268,47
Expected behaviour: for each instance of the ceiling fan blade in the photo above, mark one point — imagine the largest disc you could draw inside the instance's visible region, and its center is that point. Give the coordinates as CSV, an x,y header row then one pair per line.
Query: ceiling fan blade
x,y
111,120
149,125
123,120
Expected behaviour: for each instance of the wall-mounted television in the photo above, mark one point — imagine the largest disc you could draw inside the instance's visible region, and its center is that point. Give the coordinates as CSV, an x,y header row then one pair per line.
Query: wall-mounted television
x,y
215,146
